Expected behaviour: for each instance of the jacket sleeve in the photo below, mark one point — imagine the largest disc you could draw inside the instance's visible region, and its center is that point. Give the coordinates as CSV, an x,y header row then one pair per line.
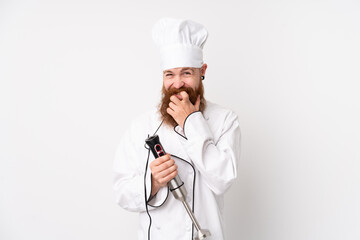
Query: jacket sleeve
x,y
128,182
216,161
129,171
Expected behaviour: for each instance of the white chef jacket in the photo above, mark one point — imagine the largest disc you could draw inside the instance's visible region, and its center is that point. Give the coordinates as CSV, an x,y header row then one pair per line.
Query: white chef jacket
x,y
206,152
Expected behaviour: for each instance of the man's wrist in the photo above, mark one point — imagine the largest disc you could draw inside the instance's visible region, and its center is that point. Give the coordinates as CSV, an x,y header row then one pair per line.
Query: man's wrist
x,y
154,188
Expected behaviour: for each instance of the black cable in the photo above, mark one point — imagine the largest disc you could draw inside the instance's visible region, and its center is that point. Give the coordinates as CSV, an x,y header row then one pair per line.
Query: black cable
x,y
146,198
146,205
158,127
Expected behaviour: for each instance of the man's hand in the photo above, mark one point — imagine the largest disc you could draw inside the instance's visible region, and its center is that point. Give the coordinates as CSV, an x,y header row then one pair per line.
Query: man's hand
x,y
163,169
180,107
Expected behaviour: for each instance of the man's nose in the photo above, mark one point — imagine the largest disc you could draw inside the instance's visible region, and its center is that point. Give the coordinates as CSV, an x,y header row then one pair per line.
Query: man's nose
x,y
178,82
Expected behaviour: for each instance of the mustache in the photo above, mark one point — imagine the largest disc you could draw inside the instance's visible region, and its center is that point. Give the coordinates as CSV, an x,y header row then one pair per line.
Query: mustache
x,y
165,100
173,91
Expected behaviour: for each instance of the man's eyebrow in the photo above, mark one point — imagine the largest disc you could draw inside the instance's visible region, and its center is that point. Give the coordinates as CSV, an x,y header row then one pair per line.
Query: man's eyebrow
x,y
167,71
185,69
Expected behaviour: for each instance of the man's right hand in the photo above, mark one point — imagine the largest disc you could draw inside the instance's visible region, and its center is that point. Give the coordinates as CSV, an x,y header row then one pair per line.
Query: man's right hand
x,y
163,169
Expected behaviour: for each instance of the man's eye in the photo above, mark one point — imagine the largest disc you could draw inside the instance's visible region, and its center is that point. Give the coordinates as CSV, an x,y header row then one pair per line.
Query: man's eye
x,y
188,73
169,74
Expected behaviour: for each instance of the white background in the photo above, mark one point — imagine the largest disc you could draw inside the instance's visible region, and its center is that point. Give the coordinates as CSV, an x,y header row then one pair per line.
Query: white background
x,y
74,73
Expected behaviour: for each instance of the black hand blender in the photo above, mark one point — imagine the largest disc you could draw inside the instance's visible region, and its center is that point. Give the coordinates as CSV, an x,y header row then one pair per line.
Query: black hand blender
x,y
176,186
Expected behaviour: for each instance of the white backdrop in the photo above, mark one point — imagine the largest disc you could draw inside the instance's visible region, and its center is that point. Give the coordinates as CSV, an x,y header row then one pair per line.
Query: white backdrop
x,y
74,73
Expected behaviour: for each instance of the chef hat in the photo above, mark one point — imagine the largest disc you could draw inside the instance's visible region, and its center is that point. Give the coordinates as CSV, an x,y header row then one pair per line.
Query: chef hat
x,y
180,42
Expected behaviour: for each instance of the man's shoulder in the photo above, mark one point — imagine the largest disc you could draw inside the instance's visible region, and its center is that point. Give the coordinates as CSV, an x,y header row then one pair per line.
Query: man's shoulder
x,y
220,119
217,111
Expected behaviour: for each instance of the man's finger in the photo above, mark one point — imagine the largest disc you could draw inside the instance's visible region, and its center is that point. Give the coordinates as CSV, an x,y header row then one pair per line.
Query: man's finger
x,y
162,167
165,172
172,106
170,176
175,99
170,111
161,160
184,95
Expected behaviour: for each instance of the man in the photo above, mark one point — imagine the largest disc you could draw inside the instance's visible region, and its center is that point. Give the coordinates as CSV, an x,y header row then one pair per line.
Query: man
x,y
202,138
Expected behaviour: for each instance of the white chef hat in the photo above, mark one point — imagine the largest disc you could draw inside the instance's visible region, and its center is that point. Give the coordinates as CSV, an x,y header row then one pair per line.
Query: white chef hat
x,y
180,42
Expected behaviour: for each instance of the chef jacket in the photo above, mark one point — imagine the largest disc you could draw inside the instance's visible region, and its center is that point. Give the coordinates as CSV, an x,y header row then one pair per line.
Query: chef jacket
x,y
206,151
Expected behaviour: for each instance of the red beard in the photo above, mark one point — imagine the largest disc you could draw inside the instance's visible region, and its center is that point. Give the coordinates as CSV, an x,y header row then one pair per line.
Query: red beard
x,y
165,100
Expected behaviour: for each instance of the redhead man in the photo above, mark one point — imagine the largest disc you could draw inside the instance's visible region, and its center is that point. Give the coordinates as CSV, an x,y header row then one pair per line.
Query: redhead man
x,y
202,140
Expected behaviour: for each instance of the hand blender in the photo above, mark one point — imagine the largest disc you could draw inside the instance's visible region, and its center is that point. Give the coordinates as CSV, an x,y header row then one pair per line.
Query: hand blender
x,y
176,186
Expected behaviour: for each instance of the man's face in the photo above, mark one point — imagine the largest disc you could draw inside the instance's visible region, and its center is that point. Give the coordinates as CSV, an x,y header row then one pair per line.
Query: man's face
x,y
181,79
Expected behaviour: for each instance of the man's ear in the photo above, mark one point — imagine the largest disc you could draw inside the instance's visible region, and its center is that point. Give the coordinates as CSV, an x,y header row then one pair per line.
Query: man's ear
x,y
203,69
